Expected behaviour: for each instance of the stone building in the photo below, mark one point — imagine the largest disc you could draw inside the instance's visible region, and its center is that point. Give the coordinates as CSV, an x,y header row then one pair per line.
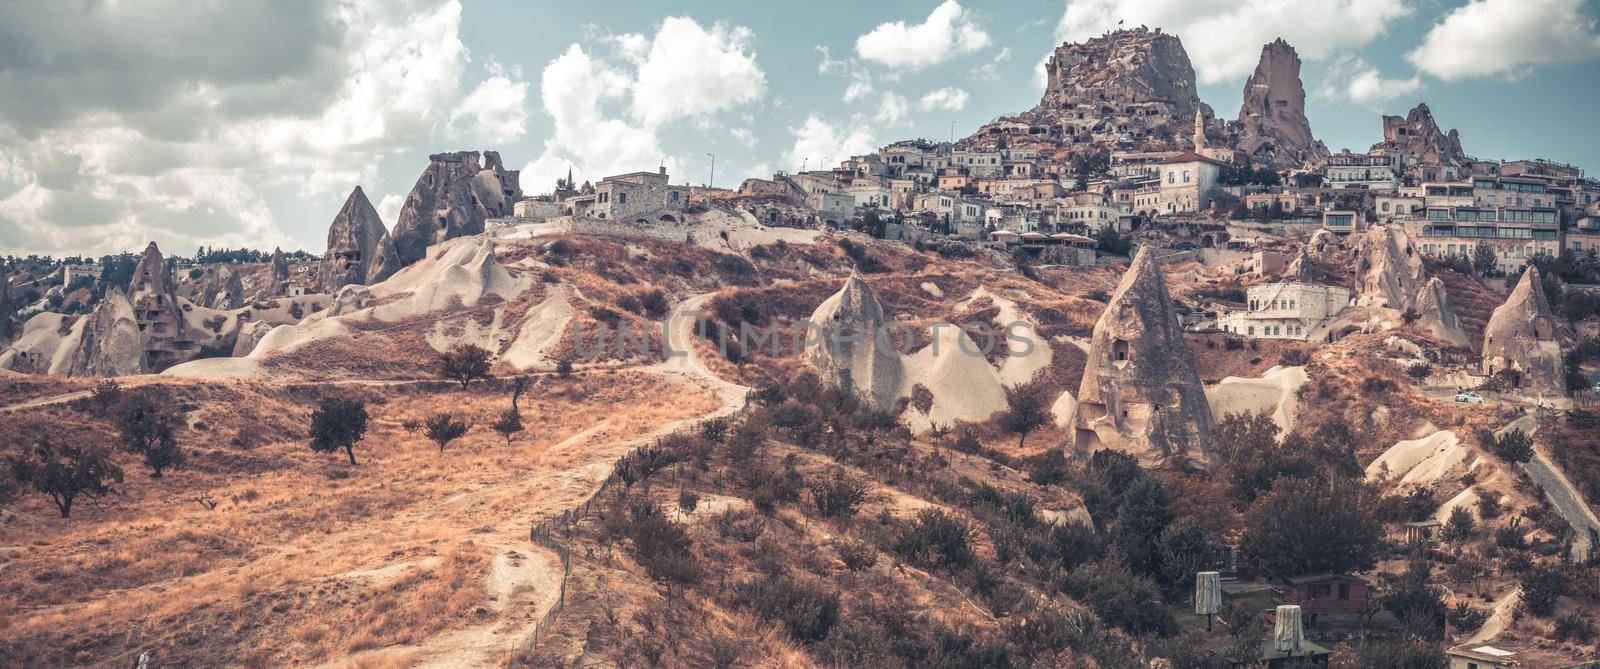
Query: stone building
x,y
631,196
1184,184
1140,392
1286,310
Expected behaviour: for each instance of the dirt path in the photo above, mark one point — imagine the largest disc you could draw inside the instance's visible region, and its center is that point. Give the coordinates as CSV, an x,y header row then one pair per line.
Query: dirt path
x,y
524,582
1563,496
684,360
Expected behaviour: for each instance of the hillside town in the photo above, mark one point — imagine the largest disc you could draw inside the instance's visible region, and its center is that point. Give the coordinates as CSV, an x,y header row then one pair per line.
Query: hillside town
x,y
1257,403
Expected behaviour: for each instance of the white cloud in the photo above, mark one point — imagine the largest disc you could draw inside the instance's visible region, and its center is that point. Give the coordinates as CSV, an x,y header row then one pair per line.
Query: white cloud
x,y
107,170
1222,36
1505,38
894,108
857,90
948,32
829,64
1353,80
686,72
692,71
495,111
389,208
943,99
818,143
990,71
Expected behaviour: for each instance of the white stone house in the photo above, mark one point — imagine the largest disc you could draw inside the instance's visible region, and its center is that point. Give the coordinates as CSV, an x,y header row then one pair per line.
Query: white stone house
x,y
1286,310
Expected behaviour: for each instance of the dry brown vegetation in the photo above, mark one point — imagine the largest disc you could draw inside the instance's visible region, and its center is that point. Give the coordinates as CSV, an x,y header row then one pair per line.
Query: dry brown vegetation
x,y
305,558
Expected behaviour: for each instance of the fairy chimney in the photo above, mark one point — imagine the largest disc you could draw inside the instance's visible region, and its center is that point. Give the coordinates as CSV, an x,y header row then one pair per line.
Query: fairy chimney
x,y
1140,392
111,343
358,252
852,349
1522,335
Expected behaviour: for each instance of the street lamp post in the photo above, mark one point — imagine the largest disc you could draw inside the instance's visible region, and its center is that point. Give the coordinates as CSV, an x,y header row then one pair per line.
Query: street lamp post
x,y
711,182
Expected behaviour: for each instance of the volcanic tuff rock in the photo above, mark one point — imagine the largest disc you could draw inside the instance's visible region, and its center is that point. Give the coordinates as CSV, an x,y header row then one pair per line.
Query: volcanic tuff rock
x,y
1522,335
851,348
280,274
1437,315
6,308
219,287
110,343
1417,139
452,198
1389,271
1272,123
1136,84
155,307
358,249
1140,392
249,334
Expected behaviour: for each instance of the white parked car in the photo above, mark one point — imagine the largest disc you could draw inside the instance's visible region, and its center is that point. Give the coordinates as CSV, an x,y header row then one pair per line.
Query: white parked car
x,y
1469,397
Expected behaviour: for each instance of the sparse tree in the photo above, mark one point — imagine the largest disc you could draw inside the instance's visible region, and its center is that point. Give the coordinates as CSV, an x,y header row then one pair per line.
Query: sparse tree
x,y
146,429
509,424
1541,587
1483,260
1460,525
563,368
688,501
1280,540
1025,411
519,386
838,495
106,395
442,429
1512,447
66,472
463,363
1145,512
338,424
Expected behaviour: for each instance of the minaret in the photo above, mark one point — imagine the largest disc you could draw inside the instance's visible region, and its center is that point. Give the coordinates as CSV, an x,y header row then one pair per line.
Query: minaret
x,y
1199,132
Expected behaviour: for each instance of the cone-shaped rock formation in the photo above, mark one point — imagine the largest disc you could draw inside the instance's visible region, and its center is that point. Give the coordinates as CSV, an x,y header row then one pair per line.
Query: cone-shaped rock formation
x,y
1272,121
1437,315
358,251
1522,335
851,347
110,343
1140,392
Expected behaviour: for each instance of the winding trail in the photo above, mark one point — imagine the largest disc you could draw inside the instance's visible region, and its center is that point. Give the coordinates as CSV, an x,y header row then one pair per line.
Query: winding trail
x,y
529,577
1563,496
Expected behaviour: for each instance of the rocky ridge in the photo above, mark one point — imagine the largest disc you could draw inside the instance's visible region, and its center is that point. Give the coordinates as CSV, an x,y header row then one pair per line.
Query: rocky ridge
x,y
359,251
452,198
1272,127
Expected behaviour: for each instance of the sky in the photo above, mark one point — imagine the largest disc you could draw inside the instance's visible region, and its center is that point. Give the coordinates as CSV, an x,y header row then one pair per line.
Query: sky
x,y
248,123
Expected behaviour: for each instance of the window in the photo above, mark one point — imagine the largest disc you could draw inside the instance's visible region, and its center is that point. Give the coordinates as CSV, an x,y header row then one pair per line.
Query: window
x,y
1344,592
1186,176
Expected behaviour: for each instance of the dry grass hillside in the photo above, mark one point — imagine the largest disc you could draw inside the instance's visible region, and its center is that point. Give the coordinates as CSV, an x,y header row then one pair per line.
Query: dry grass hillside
x,y
304,558
805,530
